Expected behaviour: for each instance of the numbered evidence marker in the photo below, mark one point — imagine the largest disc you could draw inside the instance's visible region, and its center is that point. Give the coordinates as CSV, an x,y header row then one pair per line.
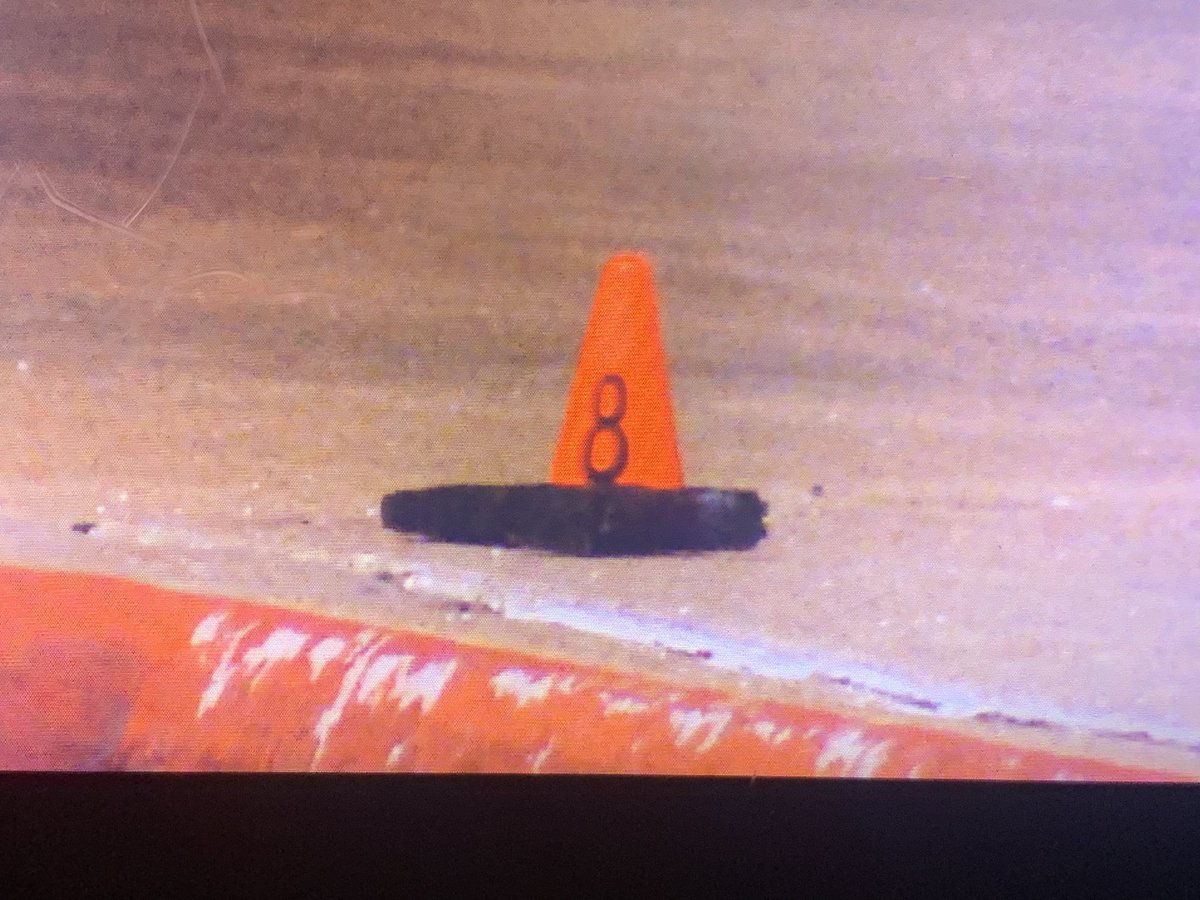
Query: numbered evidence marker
x,y
619,426
616,481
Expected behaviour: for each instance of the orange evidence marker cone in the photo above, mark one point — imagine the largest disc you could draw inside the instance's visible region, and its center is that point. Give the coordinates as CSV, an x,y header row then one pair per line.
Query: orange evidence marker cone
x,y
616,483
619,426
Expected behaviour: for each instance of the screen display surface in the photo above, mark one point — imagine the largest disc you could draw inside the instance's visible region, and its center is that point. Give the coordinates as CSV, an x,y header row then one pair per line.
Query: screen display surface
x,y
704,387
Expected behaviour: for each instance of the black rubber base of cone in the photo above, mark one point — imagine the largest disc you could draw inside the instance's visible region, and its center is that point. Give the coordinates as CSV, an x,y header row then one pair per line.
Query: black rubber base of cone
x,y
581,521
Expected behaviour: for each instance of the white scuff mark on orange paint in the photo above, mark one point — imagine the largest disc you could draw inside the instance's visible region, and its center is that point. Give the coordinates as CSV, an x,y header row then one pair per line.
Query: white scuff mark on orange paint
x,y
622,704
520,684
688,723
394,755
364,637
370,691
811,733
332,714
915,771
424,685
283,645
857,757
222,673
873,759
322,654
770,732
206,631
565,685
844,747
539,759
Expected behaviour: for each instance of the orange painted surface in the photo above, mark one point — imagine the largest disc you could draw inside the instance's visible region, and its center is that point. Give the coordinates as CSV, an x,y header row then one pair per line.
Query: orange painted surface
x,y
620,388
100,672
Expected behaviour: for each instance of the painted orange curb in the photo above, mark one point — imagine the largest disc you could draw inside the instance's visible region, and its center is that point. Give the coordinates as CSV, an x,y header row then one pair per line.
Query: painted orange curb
x,y
104,672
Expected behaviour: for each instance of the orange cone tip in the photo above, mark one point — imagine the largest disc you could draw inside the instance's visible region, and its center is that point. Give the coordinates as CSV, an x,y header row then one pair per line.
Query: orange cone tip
x,y
619,426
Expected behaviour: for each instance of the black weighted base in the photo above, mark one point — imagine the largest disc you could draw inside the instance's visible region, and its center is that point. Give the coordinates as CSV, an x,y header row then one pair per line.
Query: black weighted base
x,y
581,521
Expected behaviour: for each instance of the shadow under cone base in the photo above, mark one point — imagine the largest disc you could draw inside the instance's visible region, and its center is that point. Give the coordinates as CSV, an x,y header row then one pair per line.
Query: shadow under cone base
x,y
581,521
